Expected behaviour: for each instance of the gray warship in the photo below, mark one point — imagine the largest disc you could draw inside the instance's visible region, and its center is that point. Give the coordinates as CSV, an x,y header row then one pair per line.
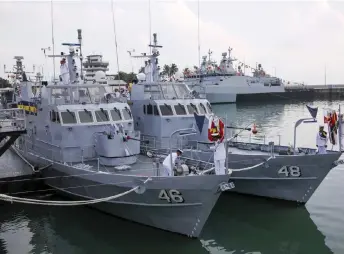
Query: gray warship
x,y
84,144
268,170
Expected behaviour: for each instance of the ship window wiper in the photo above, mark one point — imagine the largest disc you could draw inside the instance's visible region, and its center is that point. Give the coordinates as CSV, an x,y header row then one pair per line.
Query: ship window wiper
x,y
72,114
128,111
169,107
105,113
88,112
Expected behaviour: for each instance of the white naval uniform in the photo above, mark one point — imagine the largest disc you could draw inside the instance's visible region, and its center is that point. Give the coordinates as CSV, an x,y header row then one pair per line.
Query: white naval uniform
x,y
219,158
321,143
167,167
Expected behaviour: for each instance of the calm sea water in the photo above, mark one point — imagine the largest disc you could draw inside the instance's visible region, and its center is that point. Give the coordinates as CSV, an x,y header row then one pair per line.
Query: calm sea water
x,y
238,224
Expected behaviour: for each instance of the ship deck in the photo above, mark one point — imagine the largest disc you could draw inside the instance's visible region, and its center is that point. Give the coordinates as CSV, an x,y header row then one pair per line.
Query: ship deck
x,y
144,166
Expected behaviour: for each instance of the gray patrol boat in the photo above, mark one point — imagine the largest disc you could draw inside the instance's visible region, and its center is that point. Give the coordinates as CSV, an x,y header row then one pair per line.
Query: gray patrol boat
x,y
85,146
161,108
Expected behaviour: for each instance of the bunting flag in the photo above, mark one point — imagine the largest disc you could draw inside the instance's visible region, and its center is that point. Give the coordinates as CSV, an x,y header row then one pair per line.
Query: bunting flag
x,y
326,115
312,111
331,119
199,121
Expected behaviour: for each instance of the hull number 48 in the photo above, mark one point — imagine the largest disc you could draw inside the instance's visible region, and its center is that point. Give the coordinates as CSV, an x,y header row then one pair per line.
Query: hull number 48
x,y
290,171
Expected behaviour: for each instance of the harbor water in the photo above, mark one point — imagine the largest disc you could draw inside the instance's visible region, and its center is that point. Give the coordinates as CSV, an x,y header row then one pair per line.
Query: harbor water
x,y
238,224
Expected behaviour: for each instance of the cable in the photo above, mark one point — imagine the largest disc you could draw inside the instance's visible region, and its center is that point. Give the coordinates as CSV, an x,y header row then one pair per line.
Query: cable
x,y
114,31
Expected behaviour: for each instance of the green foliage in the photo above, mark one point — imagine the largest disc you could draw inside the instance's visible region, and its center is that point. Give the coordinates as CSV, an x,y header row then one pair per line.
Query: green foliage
x,y
126,77
4,83
169,70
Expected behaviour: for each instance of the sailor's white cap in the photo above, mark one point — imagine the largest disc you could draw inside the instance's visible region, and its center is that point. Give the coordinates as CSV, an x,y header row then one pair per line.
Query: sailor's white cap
x,y
321,126
180,150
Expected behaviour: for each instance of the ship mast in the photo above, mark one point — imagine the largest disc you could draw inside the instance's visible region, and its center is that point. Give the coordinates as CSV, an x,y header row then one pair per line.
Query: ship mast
x,y
152,60
18,68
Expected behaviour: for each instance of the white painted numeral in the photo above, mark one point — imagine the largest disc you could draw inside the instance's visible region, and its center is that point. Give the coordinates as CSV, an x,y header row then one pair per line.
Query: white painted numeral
x,y
164,196
293,171
171,196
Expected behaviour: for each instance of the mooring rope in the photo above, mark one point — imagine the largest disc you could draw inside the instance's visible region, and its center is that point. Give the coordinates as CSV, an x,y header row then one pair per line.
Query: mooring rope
x,y
238,169
12,199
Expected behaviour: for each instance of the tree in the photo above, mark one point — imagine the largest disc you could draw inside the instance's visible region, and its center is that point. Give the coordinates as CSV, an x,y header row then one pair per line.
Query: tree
x,y
4,83
126,77
169,70
186,70
166,70
173,69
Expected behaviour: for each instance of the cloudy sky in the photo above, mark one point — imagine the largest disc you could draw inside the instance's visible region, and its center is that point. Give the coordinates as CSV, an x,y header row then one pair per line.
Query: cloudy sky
x,y
295,39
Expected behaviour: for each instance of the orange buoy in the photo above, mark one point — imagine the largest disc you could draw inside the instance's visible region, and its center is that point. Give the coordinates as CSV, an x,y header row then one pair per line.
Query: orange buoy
x,y
254,129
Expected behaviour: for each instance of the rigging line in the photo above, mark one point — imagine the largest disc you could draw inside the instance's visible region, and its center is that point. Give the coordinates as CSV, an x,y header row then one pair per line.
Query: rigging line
x,y
150,26
52,34
114,30
199,46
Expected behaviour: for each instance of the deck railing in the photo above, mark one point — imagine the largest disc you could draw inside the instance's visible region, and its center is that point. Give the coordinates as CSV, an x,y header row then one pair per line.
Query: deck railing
x,y
12,120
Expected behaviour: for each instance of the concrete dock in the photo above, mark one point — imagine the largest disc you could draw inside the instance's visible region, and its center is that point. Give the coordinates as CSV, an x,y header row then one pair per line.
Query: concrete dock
x,y
298,93
16,177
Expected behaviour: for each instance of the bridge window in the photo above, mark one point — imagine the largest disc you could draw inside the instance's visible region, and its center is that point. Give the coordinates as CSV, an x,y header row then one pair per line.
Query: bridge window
x,y
155,110
126,114
202,109
85,116
68,117
144,109
115,114
54,116
166,110
102,115
180,109
149,109
192,109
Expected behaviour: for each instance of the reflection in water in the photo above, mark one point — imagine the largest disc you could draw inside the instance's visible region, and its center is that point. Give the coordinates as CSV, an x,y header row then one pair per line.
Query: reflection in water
x,y
255,225
238,224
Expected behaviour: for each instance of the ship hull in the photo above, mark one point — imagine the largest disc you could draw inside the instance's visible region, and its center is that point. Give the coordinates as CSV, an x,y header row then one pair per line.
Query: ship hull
x,y
156,207
292,178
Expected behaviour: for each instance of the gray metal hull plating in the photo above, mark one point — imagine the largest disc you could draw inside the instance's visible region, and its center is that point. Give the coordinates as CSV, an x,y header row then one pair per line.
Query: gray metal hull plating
x,y
217,98
270,180
200,194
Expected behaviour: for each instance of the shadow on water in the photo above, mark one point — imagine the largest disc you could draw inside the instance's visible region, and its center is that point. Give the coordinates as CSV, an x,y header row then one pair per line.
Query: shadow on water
x,y
238,224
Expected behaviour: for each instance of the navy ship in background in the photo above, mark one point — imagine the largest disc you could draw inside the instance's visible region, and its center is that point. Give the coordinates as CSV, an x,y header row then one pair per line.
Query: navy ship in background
x,y
224,83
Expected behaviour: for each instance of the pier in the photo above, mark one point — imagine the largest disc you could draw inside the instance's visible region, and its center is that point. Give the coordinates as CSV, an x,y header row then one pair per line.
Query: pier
x,y
330,89
298,93
15,176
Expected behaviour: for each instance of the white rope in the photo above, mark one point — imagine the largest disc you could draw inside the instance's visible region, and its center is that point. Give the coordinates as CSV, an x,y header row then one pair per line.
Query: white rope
x,y
12,199
238,169
251,167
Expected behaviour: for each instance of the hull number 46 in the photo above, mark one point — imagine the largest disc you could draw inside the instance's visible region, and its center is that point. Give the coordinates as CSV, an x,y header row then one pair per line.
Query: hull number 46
x,y
171,196
293,171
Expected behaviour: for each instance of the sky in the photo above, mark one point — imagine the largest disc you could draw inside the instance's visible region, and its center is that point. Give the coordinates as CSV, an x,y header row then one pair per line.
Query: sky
x,y
296,40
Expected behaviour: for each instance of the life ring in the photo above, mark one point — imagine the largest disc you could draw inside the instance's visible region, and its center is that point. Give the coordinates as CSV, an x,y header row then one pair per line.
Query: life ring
x,y
216,126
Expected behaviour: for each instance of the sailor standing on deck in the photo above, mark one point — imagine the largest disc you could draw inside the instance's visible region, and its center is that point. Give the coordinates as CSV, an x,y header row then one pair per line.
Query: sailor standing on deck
x,y
167,167
219,155
321,140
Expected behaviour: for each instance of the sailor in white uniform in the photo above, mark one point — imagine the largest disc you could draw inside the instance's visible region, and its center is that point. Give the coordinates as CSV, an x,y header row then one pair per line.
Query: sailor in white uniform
x,y
321,140
219,155
167,167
